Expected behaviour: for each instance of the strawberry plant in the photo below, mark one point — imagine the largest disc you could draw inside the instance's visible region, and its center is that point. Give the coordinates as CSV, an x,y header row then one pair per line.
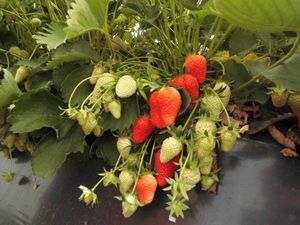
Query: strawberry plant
x,y
155,88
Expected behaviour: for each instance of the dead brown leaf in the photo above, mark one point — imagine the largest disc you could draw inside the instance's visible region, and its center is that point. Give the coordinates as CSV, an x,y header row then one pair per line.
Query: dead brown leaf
x,y
287,152
281,138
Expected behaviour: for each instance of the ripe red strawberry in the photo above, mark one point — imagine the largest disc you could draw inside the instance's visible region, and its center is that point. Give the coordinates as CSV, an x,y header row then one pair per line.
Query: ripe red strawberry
x,y
145,188
142,129
164,106
196,66
165,170
188,83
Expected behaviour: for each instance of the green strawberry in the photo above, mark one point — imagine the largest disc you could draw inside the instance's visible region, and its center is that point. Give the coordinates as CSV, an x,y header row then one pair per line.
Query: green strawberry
x,y
98,131
36,22
213,104
124,146
228,137
206,164
205,145
23,137
126,181
24,54
191,176
109,178
128,209
126,87
224,92
98,70
90,123
72,113
121,19
115,108
170,148
8,176
207,182
9,140
21,74
81,117
205,124
15,50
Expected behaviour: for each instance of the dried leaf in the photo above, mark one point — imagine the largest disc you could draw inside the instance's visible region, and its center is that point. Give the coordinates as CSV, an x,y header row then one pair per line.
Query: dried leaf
x,y
287,152
281,138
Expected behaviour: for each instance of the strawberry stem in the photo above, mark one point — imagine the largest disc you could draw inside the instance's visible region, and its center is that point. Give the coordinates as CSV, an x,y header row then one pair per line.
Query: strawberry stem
x,y
190,116
144,149
223,106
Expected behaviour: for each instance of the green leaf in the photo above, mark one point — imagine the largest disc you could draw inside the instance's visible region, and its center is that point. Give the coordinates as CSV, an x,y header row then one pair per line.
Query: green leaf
x,y
72,52
33,63
53,36
9,89
287,74
186,100
86,15
52,152
71,82
242,41
106,148
261,15
129,114
37,109
237,74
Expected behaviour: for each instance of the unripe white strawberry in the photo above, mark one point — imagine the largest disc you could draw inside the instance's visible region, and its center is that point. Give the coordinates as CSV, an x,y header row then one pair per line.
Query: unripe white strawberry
x,y
21,74
106,80
213,104
207,182
124,146
205,124
223,91
126,87
205,145
191,176
206,164
128,209
170,148
126,180
98,70
115,108
228,137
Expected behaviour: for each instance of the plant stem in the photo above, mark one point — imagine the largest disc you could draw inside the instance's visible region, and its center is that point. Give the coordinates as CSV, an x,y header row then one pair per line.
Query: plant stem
x,y
190,116
145,146
224,37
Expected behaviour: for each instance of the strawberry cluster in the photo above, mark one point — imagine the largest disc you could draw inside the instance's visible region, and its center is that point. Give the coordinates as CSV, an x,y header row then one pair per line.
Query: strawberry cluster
x,y
181,144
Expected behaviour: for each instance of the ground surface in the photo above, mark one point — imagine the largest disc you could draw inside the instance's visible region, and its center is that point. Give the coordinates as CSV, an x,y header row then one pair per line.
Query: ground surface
x,y
257,186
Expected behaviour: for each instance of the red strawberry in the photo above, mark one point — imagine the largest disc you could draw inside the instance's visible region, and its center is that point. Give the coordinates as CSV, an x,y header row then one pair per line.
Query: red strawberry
x,y
190,84
145,188
142,129
196,66
164,106
165,170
